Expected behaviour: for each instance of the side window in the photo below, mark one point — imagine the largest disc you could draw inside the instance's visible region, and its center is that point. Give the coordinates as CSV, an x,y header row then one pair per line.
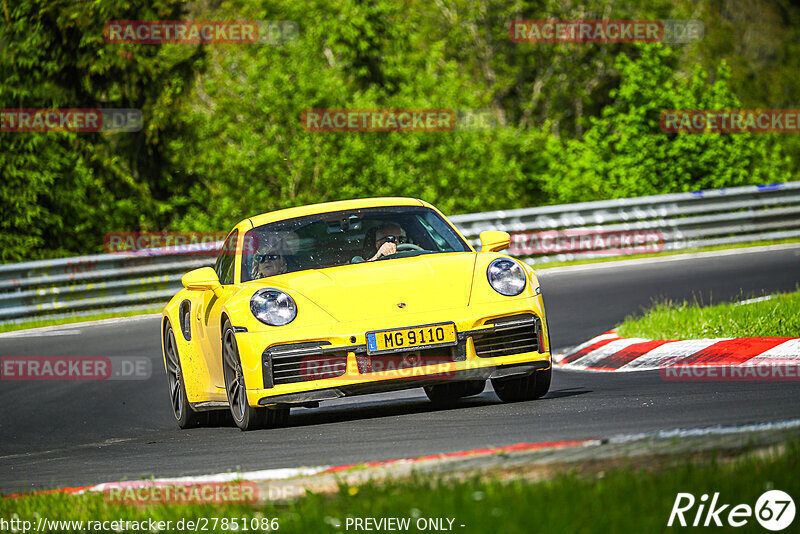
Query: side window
x,y
227,259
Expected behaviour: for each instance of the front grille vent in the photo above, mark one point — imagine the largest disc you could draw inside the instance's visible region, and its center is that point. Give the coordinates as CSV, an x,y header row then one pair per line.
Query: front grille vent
x,y
513,335
304,362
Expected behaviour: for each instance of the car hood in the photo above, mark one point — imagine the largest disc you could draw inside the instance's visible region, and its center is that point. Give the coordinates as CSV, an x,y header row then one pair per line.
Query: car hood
x,y
390,287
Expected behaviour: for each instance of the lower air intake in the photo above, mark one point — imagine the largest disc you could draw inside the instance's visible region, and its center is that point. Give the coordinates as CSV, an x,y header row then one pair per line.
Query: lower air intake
x,y
512,335
304,362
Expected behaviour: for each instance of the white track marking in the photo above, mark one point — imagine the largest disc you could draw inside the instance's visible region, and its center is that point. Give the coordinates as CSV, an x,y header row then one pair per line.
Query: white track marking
x,y
104,443
707,431
266,474
33,333
751,301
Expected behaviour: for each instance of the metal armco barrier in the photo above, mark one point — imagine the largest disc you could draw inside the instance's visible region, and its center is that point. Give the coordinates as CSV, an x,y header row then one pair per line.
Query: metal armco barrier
x,y
115,282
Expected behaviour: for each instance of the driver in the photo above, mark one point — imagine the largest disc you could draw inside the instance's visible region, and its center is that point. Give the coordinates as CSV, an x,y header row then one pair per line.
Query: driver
x,y
387,238
270,258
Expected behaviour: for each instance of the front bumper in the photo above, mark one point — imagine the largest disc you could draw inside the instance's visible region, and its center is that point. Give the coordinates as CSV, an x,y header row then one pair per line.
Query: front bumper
x,y
338,365
382,386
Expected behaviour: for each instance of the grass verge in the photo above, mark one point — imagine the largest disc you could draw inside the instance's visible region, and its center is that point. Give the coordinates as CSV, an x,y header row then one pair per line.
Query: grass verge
x,y
44,321
779,316
634,498
550,264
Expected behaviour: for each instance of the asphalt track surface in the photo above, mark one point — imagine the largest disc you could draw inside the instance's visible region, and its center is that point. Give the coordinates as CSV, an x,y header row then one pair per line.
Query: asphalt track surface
x,y
56,434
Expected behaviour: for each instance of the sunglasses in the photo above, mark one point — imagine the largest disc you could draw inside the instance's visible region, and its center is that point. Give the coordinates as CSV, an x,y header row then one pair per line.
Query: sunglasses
x,y
261,258
400,239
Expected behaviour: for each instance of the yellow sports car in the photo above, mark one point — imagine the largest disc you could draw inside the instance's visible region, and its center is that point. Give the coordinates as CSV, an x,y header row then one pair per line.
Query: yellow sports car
x,y
346,298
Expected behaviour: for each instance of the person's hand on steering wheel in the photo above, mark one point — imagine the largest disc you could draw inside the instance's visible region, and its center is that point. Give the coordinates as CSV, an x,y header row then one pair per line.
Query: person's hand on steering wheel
x,y
387,249
389,239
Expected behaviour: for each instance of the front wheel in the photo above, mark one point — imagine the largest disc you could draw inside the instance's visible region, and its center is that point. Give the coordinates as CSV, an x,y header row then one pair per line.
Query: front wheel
x,y
517,389
245,416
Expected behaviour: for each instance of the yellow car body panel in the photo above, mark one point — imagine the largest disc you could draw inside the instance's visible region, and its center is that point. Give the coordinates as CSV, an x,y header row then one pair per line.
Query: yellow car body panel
x,y
337,306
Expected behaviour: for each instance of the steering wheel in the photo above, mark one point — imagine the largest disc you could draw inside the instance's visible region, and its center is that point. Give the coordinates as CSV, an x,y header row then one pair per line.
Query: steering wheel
x,y
405,247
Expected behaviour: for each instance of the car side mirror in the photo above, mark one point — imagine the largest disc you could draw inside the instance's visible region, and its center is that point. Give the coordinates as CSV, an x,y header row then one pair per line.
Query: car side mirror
x,y
202,279
494,241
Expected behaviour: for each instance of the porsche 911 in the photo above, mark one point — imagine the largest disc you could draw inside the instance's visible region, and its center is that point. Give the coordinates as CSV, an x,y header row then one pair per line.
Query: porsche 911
x,y
319,302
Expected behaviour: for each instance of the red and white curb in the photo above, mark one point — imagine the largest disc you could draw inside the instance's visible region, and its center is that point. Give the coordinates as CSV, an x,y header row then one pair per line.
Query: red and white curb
x,y
609,352
518,447
304,477
555,451
289,473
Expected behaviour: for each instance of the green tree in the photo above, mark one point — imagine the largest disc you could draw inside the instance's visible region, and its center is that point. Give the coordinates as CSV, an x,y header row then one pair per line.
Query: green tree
x,y
624,152
248,153
223,140
60,192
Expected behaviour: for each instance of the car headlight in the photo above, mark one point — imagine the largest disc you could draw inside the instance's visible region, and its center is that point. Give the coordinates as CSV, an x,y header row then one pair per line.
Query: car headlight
x,y
506,277
273,307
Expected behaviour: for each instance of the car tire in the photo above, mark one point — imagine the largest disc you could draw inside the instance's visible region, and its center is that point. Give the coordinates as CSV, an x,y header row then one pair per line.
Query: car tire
x,y
442,393
530,387
245,416
184,414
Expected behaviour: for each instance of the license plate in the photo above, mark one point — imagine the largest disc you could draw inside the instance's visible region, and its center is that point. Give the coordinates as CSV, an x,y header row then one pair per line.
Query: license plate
x,y
417,337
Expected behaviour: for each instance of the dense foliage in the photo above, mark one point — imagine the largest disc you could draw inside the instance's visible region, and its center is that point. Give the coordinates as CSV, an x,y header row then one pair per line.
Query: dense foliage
x,y
222,137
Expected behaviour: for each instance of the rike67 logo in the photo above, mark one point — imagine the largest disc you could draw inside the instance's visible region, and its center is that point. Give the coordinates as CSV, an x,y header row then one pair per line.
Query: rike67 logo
x,y
774,510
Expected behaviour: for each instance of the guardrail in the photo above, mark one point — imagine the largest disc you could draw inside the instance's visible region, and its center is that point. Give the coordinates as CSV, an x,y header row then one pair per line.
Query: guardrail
x,y
115,282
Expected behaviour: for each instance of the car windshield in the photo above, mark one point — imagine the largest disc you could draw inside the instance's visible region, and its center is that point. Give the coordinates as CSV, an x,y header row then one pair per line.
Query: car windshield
x,y
343,238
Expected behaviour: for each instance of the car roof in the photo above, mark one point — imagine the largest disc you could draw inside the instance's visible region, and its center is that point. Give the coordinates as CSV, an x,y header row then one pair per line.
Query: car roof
x,y
327,207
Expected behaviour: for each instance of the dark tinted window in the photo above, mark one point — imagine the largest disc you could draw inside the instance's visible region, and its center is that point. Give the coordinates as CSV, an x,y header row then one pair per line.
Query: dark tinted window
x,y
342,238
